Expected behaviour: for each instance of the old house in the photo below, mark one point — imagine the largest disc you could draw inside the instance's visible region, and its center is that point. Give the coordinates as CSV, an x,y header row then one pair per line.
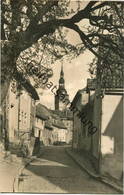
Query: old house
x,y
59,131
48,126
40,130
80,100
19,112
66,117
48,133
98,129
41,116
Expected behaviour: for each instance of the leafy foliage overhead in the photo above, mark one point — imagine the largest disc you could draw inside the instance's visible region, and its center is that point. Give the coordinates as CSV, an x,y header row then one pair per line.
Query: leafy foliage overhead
x,y
37,30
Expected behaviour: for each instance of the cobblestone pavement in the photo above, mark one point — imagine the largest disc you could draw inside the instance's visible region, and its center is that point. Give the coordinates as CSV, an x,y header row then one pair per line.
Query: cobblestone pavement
x,y
56,172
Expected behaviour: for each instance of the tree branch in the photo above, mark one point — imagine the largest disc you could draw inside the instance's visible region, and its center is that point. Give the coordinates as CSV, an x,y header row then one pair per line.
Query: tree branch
x,y
90,5
41,12
31,35
83,37
112,45
100,5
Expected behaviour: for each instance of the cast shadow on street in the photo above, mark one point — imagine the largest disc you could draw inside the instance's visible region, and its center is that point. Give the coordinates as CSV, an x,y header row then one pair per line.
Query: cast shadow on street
x,y
59,170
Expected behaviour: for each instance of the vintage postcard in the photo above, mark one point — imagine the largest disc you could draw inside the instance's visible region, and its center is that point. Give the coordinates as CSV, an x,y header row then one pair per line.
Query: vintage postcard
x,y
62,89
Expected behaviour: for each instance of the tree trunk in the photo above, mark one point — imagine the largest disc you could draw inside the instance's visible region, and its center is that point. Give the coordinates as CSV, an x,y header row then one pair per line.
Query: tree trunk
x,y
8,64
9,55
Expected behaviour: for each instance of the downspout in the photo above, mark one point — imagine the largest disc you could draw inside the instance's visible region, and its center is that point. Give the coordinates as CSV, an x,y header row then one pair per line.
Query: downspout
x,y
73,133
100,96
18,115
34,117
31,116
5,120
6,140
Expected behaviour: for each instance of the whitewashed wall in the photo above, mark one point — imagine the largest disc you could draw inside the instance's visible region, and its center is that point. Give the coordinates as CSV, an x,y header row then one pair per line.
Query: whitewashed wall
x,y
112,135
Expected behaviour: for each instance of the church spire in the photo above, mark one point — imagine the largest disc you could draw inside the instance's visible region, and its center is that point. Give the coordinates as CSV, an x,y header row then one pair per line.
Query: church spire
x,y
61,80
61,92
62,72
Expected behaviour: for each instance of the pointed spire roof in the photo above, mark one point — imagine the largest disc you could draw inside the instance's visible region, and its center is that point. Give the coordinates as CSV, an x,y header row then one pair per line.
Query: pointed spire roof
x,y
61,80
62,72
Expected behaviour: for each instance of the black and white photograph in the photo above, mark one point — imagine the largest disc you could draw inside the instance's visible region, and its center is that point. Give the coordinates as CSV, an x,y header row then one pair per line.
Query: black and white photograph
x,y
62,95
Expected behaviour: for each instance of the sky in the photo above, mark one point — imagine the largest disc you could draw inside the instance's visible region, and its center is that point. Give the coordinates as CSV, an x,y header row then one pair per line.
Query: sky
x,y
75,72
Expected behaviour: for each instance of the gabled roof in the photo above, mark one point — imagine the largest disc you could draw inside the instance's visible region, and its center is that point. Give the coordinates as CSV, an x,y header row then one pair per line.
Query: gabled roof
x,y
59,124
48,125
27,85
78,94
62,114
42,112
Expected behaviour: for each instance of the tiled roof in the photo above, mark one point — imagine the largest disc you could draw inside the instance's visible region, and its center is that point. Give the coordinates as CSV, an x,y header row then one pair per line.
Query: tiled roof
x,y
42,112
59,124
27,85
62,114
48,124
78,94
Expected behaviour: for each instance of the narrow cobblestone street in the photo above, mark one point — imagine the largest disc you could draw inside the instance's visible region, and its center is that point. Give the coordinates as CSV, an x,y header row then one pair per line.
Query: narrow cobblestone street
x,y
56,172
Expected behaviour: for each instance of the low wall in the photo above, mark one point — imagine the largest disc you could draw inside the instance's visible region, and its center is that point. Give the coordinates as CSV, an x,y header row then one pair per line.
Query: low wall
x,y
112,136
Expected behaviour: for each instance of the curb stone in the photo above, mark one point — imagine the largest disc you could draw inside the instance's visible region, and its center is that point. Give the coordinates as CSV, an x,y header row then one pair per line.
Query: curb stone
x,y
97,177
